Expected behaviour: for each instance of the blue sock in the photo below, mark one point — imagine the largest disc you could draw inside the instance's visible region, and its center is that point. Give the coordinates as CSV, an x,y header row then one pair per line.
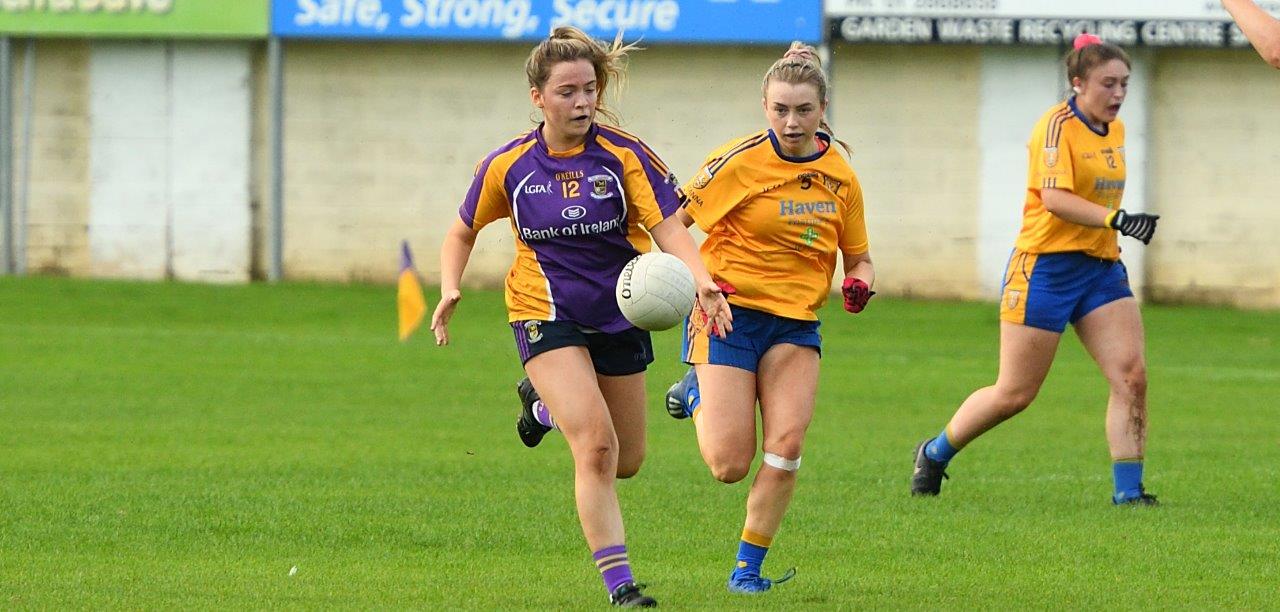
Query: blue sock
x,y
751,552
940,449
1128,476
693,395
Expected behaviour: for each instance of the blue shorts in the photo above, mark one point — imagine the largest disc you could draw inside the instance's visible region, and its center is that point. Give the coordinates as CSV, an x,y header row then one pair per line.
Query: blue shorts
x,y
754,333
1049,290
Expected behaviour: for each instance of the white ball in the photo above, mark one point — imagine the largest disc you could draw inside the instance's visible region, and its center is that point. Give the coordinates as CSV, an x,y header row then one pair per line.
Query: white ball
x,y
655,291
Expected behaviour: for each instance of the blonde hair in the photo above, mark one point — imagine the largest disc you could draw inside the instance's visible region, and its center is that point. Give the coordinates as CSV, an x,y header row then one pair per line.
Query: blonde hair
x,y
801,64
569,44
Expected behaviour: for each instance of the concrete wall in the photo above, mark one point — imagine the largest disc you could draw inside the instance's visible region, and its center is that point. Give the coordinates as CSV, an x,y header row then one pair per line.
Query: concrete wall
x,y
1018,86
136,143
209,161
260,168
169,159
684,102
380,144
1216,178
381,141
139,159
129,148
57,237
910,115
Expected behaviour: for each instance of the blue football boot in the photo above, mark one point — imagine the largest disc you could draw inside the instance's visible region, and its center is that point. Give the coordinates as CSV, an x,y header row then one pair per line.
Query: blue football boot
x,y
682,395
749,582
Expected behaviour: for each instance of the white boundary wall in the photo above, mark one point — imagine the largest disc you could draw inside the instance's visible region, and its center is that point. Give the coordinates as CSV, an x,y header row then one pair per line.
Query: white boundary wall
x,y
143,155
169,160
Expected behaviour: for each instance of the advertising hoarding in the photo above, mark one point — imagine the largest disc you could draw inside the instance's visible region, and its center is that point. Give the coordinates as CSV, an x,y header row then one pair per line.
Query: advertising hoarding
x,y
680,21
135,18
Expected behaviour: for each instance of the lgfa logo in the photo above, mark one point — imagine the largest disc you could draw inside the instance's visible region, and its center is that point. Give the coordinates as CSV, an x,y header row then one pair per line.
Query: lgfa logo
x,y
537,189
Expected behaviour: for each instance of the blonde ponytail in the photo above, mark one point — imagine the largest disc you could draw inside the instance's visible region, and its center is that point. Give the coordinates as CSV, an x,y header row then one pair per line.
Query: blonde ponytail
x,y
801,64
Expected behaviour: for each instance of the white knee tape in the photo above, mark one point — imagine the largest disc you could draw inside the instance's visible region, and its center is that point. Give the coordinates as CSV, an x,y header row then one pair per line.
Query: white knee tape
x,y
776,461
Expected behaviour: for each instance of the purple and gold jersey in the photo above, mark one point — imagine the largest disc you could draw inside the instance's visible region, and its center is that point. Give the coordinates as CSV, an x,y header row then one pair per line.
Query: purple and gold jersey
x,y
1067,153
578,216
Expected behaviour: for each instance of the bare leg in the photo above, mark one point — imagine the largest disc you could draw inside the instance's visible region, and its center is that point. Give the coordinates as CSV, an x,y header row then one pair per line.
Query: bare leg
x,y
567,382
1113,335
726,420
1025,356
788,383
625,397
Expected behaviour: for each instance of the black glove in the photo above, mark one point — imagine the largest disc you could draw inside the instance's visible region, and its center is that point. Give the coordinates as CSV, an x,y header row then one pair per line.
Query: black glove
x,y
1136,225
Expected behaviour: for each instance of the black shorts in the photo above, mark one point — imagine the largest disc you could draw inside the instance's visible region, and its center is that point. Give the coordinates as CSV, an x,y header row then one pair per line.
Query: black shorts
x,y
626,352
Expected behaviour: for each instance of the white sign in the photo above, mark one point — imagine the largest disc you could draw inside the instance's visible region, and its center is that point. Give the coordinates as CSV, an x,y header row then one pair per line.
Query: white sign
x,y
1037,31
1153,10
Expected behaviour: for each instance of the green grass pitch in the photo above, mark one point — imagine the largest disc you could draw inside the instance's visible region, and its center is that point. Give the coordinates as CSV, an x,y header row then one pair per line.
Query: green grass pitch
x,y
183,446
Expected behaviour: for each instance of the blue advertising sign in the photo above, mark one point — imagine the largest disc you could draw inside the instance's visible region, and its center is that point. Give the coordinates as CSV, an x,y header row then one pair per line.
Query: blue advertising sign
x,y
683,21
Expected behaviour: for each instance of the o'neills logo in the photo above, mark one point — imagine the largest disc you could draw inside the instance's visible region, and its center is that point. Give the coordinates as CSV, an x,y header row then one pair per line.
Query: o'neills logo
x,y
627,271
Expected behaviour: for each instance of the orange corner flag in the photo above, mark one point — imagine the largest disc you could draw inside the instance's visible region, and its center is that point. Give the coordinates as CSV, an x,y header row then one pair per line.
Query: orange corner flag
x,y
410,302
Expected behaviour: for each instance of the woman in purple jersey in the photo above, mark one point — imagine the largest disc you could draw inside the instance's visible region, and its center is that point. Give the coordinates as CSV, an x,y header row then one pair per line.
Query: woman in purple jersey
x,y
583,199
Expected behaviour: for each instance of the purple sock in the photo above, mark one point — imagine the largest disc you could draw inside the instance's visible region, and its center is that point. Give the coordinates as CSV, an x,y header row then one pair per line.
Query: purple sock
x,y
614,567
543,415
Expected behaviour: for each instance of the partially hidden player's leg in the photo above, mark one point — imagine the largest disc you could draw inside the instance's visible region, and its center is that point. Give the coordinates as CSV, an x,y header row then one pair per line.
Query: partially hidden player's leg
x,y
535,419
726,420
1113,335
787,386
1025,356
566,379
625,397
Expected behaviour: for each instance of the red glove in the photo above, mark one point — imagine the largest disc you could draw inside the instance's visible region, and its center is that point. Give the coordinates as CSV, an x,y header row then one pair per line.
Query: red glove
x,y
856,294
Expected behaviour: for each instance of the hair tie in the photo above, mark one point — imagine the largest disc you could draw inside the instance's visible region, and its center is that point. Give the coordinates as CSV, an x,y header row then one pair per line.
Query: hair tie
x,y
1086,39
800,54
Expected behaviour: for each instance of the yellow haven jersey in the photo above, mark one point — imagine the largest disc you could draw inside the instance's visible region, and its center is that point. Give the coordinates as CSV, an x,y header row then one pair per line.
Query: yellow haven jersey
x,y
774,223
1066,153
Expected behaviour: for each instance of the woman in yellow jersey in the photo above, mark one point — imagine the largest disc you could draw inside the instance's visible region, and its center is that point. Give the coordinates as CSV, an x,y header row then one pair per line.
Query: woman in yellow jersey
x,y
777,206
1065,268
582,199
1262,30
